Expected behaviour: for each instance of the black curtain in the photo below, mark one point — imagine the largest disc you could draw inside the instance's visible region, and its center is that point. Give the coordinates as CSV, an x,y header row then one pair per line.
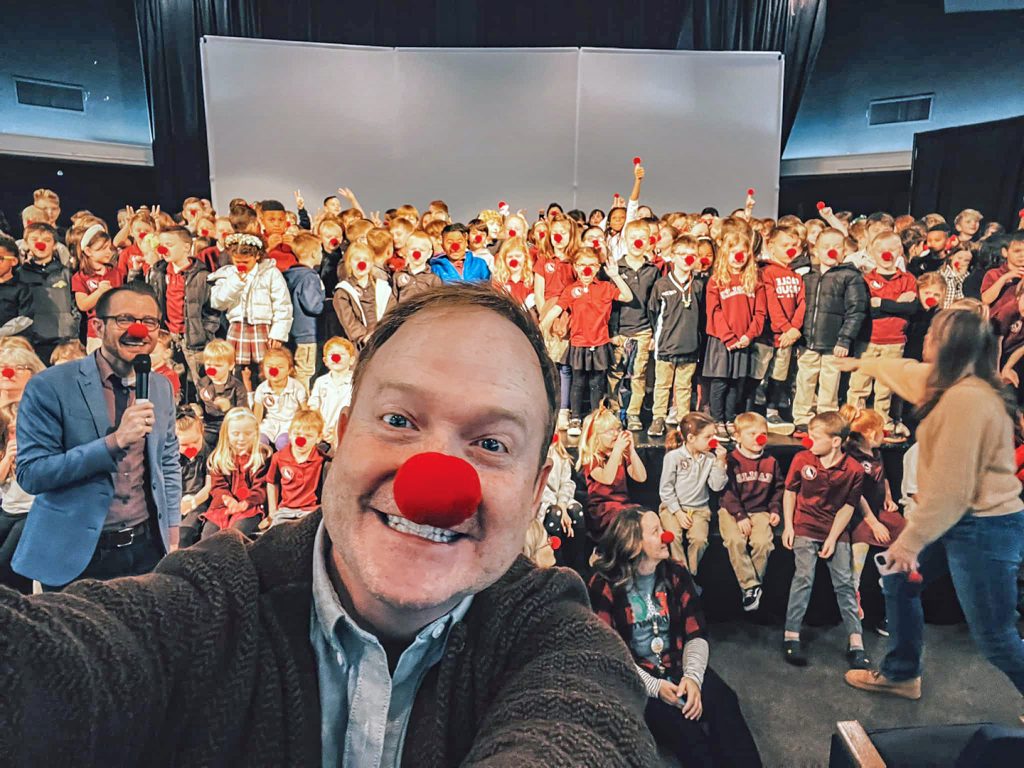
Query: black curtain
x,y
971,166
170,33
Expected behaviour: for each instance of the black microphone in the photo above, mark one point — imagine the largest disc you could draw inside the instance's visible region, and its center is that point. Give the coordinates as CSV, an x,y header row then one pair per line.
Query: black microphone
x,y
142,365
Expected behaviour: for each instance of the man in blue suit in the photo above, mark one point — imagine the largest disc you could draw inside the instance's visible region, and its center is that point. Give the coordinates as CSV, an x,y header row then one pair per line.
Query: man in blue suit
x,y
459,264
103,468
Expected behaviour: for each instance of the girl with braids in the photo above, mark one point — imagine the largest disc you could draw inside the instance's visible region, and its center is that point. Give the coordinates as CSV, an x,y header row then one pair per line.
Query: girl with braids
x,y
651,601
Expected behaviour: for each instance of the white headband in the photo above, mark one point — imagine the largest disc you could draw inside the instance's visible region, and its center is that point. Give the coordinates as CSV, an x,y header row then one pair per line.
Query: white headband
x,y
90,233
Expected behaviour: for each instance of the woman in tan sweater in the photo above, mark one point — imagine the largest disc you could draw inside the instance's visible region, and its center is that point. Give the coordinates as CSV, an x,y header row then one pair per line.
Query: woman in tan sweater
x,y
968,515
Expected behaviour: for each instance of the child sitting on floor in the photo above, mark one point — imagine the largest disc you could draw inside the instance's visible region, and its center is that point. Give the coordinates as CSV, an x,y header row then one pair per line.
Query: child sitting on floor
x,y
238,468
296,474
278,398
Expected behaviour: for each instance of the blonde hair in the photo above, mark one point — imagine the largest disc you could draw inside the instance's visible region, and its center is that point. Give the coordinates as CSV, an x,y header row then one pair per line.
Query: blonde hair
x,y
306,246
967,213
357,229
381,243
338,341
309,418
750,419
401,225
604,418
408,213
354,252
218,349
279,353
546,246
222,460
501,272
735,232
66,352
17,356
16,342
45,194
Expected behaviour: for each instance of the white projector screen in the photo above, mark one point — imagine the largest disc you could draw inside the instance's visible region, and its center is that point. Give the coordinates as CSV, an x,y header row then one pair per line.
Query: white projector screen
x,y
475,126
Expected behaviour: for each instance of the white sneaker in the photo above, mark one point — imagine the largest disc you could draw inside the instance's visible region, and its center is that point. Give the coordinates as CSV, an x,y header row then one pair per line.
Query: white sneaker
x,y
574,429
672,420
563,419
778,425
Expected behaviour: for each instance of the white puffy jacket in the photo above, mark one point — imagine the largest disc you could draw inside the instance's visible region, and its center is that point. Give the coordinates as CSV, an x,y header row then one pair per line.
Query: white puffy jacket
x,y
261,299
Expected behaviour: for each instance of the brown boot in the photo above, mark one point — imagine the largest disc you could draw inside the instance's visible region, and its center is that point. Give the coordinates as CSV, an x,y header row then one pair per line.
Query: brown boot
x,y
869,680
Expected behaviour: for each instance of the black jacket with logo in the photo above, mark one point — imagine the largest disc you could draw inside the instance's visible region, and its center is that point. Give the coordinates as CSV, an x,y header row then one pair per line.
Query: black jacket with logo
x,y
837,303
675,313
55,314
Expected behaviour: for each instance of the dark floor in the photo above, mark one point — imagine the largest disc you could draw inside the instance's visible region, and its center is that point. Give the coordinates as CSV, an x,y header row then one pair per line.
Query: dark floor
x,y
792,712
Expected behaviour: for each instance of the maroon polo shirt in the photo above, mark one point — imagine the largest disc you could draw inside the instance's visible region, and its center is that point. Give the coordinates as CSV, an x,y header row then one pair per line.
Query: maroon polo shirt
x,y
821,492
298,482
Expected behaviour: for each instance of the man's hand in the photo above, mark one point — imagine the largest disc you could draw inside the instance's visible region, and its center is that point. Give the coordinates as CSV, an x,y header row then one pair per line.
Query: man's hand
x,y
744,526
828,548
787,537
693,708
136,423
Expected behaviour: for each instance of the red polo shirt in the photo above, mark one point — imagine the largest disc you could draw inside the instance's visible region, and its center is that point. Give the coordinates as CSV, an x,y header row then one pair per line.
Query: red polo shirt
x,y
298,483
519,291
87,283
174,299
557,275
821,492
591,308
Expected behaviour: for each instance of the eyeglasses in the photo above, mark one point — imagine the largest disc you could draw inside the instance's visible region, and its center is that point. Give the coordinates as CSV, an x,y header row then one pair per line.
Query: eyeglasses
x,y
123,321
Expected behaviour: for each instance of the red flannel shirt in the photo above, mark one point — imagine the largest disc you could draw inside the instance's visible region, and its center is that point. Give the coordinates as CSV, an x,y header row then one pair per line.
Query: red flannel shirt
x,y
784,296
591,308
732,312
821,492
685,614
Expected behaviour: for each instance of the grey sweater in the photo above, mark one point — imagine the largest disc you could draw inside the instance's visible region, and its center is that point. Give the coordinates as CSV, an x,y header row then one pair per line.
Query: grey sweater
x,y
685,479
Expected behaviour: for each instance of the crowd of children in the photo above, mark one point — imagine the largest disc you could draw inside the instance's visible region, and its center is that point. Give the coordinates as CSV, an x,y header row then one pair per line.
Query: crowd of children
x,y
740,318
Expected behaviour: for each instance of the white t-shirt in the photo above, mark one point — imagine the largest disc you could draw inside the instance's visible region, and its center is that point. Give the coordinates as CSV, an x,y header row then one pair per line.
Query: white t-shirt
x,y
279,409
329,397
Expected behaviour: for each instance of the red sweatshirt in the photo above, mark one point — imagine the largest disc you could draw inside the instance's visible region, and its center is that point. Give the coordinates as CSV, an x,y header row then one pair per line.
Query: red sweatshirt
x,y
784,294
889,321
753,485
732,312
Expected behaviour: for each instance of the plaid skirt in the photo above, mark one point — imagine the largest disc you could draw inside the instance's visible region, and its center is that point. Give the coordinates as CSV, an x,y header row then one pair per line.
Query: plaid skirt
x,y
249,341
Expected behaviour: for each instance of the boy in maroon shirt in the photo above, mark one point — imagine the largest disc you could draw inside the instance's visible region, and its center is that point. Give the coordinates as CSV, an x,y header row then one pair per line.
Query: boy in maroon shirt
x,y
751,506
823,488
892,299
296,473
999,283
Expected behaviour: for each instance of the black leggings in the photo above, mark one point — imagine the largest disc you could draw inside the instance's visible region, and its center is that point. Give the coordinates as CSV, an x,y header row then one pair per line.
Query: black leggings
x,y
720,737
583,381
727,396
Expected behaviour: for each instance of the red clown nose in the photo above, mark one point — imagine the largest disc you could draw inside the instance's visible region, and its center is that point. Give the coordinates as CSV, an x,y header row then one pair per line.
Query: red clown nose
x,y
513,263
301,441
478,239
511,233
242,269
204,232
750,191
931,301
597,243
914,577
1020,213
191,452
705,262
821,205
360,266
667,537
211,371
554,438
833,253
557,237
39,245
555,542
541,234
689,260
652,239
416,254
588,271
739,257
437,489
806,442
455,246
638,243
334,242
713,443
886,255
162,250
335,358
8,373
636,161
791,252
274,370
138,331
761,439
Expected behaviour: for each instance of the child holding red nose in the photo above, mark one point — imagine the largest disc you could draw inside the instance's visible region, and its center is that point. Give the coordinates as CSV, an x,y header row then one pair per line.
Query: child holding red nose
x,y
278,398
675,312
219,388
362,298
513,272
589,302
751,506
296,473
238,468
736,310
415,277
694,464
892,301
455,264
195,481
333,391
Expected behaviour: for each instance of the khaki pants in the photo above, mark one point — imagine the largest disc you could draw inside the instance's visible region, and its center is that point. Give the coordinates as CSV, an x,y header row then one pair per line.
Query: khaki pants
x,y
815,371
638,384
675,379
696,536
749,557
305,363
860,385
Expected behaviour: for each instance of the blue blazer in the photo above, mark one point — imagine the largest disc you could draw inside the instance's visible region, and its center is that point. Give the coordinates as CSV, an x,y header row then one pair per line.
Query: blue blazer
x,y
473,269
64,461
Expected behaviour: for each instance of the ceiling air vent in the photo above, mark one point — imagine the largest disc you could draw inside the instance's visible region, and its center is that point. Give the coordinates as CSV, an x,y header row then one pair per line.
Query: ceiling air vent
x,y
905,109
39,93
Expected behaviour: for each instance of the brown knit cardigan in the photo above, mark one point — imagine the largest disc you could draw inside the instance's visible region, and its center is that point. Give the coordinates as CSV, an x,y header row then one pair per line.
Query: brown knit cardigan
x,y
207,662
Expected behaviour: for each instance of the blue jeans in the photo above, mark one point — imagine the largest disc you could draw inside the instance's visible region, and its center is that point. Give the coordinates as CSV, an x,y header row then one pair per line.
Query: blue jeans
x,y
982,554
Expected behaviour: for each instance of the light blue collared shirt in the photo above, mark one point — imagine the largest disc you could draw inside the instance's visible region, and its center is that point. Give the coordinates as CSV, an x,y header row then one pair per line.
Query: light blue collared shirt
x,y
364,711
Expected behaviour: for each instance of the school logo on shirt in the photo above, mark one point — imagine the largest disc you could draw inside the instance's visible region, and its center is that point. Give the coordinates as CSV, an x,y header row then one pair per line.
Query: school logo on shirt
x,y
91,285
684,465
269,401
549,267
402,279
866,465
1016,326
577,292
206,394
287,474
809,472
876,285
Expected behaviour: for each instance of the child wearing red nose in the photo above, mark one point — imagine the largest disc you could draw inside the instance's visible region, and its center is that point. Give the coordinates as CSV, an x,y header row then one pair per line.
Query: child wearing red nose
x,y
694,464
736,310
333,391
219,388
751,506
362,298
479,237
96,275
55,315
823,488
954,271
275,224
931,297
296,474
131,258
513,272
456,264
238,469
675,312
784,295
619,216
196,483
893,301
278,398
415,277
589,302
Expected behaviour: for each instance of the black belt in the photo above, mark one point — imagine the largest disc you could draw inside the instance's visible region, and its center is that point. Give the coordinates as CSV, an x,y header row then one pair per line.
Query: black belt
x,y
124,537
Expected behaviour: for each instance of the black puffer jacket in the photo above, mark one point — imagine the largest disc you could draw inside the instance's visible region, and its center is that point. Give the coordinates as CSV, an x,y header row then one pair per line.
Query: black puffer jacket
x,y
837,303
201,320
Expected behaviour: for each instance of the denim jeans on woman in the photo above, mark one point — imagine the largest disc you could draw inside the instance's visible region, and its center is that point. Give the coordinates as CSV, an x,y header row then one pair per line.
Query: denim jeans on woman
x,y
982,554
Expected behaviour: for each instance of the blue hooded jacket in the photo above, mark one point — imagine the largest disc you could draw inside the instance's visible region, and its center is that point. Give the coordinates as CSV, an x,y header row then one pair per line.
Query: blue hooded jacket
x,y
473,268
307,290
